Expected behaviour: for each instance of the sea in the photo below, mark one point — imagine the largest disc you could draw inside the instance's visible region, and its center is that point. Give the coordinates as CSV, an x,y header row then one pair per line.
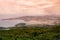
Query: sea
x,y
10,23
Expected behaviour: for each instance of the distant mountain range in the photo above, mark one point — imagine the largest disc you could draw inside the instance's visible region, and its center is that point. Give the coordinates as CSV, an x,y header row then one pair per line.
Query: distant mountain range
x,y
47,19
36,18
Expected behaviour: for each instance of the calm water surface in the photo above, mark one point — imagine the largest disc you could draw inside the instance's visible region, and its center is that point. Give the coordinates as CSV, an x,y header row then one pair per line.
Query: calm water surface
x,y
9,23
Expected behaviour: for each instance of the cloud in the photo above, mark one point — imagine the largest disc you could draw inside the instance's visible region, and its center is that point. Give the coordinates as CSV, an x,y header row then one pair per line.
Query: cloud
x,y
28,7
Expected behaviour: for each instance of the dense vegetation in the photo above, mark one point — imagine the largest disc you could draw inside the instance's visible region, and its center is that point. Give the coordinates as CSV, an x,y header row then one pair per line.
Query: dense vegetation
x,y
31,32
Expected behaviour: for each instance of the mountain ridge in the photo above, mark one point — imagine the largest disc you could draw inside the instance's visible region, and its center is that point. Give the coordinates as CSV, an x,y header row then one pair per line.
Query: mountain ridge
x,y
48,19
27,18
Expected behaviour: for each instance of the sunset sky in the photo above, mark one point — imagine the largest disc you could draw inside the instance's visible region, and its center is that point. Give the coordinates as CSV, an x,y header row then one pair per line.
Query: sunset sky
x,y
16,8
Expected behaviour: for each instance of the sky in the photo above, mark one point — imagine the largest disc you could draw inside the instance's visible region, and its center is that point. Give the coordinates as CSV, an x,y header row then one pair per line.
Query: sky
x,y
16,8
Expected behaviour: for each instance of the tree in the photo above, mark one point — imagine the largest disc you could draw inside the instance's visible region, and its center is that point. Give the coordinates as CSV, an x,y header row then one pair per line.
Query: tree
x,y
0,38
20,25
